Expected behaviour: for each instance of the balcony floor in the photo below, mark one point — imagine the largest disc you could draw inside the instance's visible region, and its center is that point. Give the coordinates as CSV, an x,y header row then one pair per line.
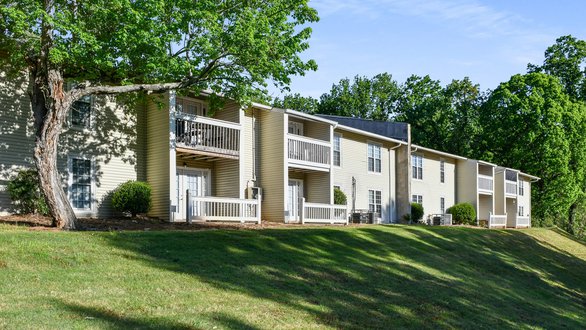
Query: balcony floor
x,y
202,153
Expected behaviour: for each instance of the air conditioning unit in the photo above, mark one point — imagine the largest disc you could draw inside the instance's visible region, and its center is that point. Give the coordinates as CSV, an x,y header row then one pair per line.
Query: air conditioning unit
x,y
255,193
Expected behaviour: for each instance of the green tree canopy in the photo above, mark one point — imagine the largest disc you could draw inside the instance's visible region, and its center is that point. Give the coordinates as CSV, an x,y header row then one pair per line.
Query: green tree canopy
x,y
566,59
297,102
118,46
530,124
363,98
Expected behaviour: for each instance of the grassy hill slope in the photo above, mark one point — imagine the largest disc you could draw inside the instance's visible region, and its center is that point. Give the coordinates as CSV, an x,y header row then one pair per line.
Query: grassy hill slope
x,y
359,277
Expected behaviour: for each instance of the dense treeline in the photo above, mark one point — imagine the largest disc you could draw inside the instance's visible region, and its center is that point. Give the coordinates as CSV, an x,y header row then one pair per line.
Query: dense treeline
x,y
535,122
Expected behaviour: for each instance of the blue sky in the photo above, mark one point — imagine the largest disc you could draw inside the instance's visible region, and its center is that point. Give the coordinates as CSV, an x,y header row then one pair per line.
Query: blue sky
x,y
488,41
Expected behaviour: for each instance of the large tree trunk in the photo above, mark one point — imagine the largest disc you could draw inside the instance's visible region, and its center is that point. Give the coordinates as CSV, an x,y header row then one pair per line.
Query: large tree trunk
x,y
50,110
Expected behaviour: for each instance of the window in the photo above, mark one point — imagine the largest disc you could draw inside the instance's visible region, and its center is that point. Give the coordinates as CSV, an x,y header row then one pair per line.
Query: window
x,y
374,201
417,166
442,205
521,211
374,158
417,199
191,106
442,171
81,111
81,183
521,188
295,128
337,153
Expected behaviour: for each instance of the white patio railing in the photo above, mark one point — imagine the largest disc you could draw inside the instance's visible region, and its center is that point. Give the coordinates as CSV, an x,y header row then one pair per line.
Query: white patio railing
x,y
222,209
307,151
523,221
207,134
511,187
497,220
485,183
322,213
439,219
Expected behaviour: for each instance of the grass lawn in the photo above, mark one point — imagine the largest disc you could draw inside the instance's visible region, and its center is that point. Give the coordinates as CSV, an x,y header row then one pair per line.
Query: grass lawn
x,y
329,277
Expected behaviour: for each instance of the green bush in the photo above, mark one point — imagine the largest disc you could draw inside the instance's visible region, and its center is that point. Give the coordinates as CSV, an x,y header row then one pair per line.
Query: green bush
x,y
25,193
416,212
462,213
132,197
339,197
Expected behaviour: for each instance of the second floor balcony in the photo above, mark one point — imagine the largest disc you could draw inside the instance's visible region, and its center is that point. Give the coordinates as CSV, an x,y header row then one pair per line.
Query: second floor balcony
x,y
206,136
305,152
485,184
510,188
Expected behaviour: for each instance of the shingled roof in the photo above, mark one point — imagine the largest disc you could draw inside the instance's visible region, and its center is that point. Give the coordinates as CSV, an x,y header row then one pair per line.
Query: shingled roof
x,y
393,130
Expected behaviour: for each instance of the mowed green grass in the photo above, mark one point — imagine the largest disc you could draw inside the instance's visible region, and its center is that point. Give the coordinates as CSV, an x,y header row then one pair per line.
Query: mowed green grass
x,y
329,277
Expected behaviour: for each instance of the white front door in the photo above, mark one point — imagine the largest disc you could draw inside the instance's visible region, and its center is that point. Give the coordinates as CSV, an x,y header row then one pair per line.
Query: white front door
x,y
197,182
294,193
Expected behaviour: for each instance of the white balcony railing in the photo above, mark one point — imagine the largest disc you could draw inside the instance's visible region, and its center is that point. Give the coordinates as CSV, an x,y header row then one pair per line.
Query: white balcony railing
x,y
485,183
523,221
207,135
323,213
307,151
497,220
222,209
511,188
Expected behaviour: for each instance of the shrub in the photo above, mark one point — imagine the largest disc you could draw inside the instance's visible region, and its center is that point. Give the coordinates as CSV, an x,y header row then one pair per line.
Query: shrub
x,y
25,193
416,212
132,197
339,197
462,213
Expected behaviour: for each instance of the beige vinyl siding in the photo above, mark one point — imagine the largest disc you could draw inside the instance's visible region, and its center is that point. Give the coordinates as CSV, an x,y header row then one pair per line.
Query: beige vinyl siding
x,y
16,133
272,175
230,112
467,182
403,181
158,153
354,163
225,178
316,130
249,158
431,187
525,200
318,187
500,206
111,143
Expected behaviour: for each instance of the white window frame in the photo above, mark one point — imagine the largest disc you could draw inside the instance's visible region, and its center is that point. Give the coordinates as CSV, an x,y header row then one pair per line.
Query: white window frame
x,y
91,101
70,159
337,136
414,166
296,126
521,188
442,205
200,107
417,199
521,211
377,207
374,146
442,171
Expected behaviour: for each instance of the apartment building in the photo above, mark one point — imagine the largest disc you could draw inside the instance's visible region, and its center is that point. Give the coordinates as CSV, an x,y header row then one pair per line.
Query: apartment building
x,y
254,163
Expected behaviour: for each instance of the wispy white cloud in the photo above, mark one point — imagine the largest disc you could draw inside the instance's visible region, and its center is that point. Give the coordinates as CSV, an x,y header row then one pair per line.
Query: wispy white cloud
x,y
470,15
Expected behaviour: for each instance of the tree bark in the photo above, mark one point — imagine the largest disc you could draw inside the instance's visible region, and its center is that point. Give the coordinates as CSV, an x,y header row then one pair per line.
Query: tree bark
x,y
572,217
50,108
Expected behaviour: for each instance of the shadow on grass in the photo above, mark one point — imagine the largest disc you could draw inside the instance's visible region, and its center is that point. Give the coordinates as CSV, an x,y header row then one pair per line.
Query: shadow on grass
x,y
104,318
382,277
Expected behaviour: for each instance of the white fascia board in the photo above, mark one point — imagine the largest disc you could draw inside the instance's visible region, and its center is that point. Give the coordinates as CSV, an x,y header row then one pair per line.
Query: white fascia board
x,y
441,153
